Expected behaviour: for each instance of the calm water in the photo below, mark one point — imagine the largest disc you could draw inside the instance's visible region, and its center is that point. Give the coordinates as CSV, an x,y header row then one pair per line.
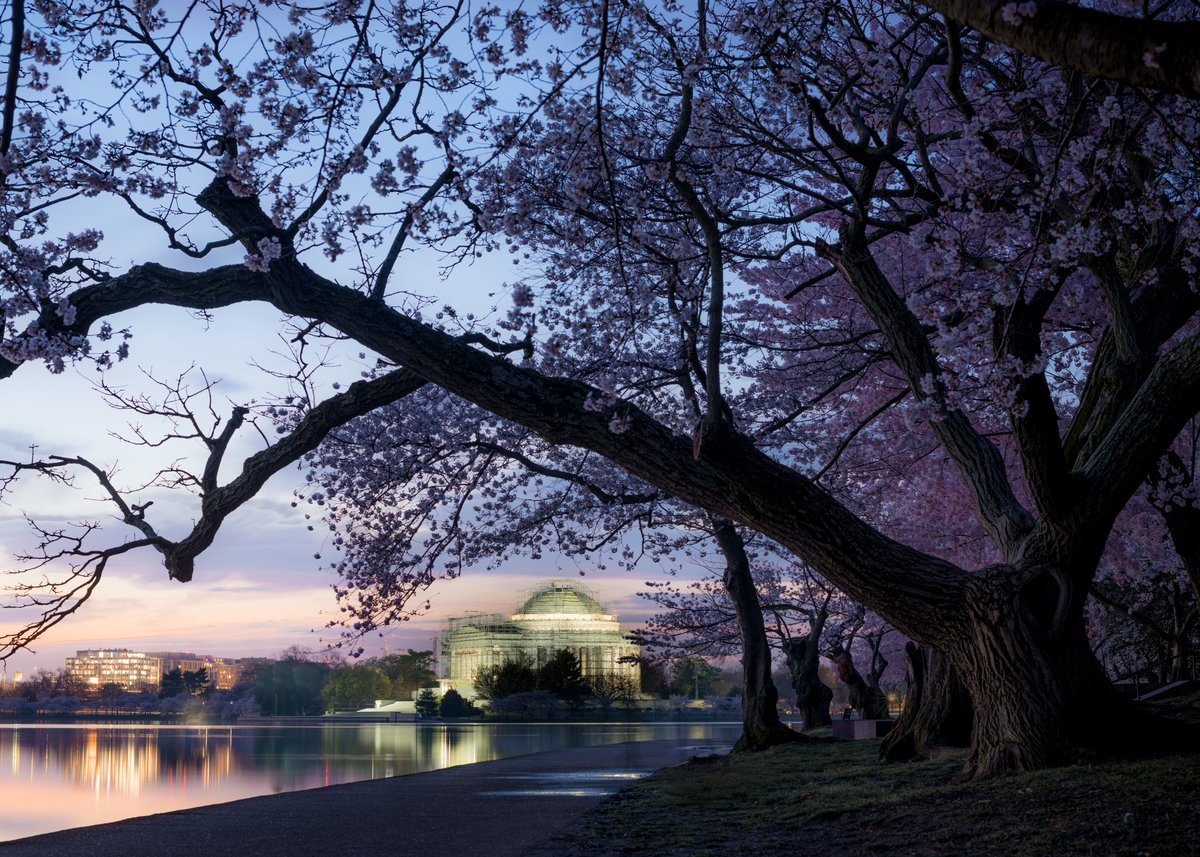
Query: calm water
x,y
54,777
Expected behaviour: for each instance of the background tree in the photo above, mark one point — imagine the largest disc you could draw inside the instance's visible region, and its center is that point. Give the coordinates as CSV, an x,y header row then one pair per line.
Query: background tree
x,y
110,695
408,672
526,705
693,677
865,698
1147,591
803,657
197,682
288,688
354,688
609,690
69,684
505,679
427,703
562,676
453,705
172,684
937,712
38,684
655,678
796,605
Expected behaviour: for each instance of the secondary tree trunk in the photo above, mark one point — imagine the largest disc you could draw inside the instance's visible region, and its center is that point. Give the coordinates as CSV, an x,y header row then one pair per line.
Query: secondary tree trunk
x,y
761,726
937,712
813,696
867,700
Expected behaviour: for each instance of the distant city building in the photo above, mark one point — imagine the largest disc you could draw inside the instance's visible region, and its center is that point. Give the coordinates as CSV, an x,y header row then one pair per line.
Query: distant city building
x,y
133,671
226,675
556,615
141,672
223,673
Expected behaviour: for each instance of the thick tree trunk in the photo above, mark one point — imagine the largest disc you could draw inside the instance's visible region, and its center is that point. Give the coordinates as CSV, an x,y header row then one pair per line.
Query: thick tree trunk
x,y
1040,696
1037,703
813,696
937,711
1098,43
761,726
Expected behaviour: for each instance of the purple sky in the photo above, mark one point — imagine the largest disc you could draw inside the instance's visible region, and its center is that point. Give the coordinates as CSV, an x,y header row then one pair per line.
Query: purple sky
x,y
258,589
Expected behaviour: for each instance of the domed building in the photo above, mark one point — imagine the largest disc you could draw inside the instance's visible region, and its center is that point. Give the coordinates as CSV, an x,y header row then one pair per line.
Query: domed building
x,y
556,615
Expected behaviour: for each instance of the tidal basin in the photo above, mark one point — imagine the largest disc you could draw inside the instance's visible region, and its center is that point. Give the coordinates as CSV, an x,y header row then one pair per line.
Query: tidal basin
x,y
59,776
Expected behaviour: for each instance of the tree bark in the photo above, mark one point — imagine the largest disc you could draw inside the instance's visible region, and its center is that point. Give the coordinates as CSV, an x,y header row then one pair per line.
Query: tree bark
x,y
937,712
1139,51
813,696
1040,696
761,726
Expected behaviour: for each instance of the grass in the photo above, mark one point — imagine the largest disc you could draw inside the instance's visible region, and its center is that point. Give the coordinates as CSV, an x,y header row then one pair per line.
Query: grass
x,y
831,797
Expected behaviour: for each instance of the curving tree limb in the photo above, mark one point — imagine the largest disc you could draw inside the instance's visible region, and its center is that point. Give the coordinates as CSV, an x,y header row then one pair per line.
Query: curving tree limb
x,y
1161,55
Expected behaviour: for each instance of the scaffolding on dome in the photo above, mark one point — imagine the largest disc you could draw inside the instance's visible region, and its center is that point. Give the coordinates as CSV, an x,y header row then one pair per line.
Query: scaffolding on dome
x,y
554,615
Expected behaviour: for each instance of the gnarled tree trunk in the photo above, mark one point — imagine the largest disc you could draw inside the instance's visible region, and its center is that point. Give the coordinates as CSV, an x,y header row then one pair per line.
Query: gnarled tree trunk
x,y
867,700
813,696
1040,696
761,726
937,711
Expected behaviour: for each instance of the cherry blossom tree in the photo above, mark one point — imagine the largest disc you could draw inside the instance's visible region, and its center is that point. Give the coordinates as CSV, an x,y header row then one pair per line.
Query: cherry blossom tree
x,y
747,236
409,499
805,619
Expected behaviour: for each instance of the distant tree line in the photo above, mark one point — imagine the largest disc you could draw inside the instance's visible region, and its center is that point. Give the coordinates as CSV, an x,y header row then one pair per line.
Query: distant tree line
x,y
450,704
179,681
517,686
296,685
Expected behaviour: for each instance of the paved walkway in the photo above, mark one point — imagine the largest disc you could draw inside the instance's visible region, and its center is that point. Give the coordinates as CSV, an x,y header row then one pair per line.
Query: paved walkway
x,y
500,808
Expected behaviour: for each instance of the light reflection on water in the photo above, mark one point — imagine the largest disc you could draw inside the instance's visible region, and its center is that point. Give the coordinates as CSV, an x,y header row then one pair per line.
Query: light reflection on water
x,y
56,776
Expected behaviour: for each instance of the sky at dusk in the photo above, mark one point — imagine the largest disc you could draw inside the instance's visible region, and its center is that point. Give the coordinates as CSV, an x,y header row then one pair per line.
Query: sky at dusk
x,y
258,589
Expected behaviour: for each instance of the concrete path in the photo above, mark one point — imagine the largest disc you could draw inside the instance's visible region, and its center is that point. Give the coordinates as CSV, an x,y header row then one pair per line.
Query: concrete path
x,y
500,808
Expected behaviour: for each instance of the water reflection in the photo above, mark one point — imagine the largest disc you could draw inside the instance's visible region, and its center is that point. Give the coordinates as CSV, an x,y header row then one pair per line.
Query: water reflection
x,y
58,776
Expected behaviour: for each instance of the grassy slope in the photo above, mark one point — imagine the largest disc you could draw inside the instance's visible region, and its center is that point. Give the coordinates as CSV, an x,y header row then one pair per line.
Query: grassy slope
x,y
833,797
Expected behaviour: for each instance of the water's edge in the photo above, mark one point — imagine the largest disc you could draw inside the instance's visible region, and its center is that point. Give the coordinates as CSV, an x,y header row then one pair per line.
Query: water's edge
x,y
60,776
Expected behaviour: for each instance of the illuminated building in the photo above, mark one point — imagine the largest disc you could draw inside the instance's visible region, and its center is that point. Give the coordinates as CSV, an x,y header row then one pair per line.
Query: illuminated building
x,y
133,671
223,674
143,671
556,615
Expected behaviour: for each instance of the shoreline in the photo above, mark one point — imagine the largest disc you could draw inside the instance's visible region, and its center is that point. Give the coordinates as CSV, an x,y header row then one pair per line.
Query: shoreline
x,y
510,805
61,776
348,717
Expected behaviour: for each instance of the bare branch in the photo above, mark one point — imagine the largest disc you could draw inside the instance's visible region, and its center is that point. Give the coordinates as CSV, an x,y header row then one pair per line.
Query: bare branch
x,y
385,269
12,79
